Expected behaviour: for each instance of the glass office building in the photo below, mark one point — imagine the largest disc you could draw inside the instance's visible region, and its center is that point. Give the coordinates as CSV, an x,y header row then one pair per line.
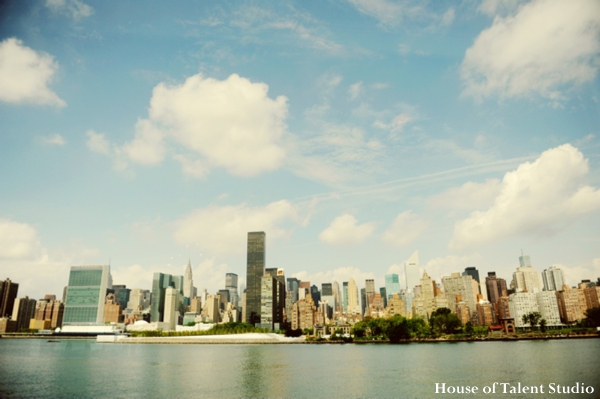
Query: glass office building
x,y
86,294
254,272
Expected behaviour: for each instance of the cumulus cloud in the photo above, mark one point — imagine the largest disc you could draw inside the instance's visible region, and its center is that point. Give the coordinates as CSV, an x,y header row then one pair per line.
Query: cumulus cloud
x,y
469,196
25,75
75,9
405,228
574,275
147,147
230,123
396,125
344,230
194,168
538,198
493,7
98,143
18,241
57,139
538,49
224,229
340,275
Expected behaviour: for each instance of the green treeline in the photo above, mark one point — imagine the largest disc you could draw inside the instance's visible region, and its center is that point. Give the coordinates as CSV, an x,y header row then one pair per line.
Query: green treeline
x,y
218,329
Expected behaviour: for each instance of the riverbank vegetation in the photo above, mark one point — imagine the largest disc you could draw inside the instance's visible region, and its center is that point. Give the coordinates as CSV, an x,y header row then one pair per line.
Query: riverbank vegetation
x,y
218,329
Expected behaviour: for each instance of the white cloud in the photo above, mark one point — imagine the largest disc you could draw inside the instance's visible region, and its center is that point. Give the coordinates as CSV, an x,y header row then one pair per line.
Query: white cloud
x,y
18,241
355,90
25,75
391,13
439,267
574,275
544,46
224,229
57,139
469,196
337,154
37,270
493,7
147,147
396,125
537,198
98,143
75,9
340,275
195,168
231,123
344,230
404,229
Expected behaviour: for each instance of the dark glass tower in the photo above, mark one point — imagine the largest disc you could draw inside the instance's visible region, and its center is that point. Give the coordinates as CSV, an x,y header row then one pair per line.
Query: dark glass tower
x,y
8,294
474,273
254,272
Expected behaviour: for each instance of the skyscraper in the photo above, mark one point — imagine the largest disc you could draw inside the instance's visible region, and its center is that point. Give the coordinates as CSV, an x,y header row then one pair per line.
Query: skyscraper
x,y
353,305
526,278
494,286
23,311
345,288
392,285
188,282
86,295
160,283
293,284
8,294
254,272
474,273
383,294
231,284
411,271
553,279
337,296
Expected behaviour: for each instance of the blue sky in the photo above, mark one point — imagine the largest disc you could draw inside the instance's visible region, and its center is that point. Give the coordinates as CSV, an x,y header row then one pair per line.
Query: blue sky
x,y
352,132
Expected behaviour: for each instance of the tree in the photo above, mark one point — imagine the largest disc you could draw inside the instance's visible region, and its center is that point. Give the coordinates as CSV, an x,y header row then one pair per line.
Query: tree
x,y
444,321
543,325
398,329
469,328
593,317
359,330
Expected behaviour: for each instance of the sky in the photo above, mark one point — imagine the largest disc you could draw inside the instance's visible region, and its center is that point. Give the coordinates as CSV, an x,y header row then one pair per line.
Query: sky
x,y
353,133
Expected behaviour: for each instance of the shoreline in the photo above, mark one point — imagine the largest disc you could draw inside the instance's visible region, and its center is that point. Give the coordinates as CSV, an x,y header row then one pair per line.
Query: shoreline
x,y
276,339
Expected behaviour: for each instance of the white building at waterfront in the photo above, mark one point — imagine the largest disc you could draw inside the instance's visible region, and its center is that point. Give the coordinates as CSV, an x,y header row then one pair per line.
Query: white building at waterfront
x,y
522,303
548,307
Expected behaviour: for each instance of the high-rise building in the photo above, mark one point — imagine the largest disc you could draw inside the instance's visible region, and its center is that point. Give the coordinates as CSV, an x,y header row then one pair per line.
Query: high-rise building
x,y
548,307
188,282
345,302
370,286
392,285
224,298
454,285
527,279
383,294
173,298
231,283
524,260
160,283
474,273
328,298
86,295
293,285
520,304
112,309
363,301
494,286
23,311
8,294
280,298
353,304
254,272
553,278
122,294
268,301
315,294
139,299
411,271
571,304
337,296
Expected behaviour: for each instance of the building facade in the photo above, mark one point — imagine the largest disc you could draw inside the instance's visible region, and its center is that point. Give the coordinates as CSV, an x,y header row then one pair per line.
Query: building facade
x,y
255,270
86,293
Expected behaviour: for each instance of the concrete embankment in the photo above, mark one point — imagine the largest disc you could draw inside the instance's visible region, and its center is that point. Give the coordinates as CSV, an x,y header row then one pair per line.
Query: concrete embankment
x,y
251,338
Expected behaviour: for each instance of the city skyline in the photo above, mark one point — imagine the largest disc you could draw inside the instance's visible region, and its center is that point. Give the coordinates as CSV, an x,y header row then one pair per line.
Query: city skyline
x,y
147,137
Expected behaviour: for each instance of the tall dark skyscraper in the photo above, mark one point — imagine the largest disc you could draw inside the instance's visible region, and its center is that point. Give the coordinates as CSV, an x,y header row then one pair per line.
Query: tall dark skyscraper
x,y
474,273
293,284
8,294
494,286
254,272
